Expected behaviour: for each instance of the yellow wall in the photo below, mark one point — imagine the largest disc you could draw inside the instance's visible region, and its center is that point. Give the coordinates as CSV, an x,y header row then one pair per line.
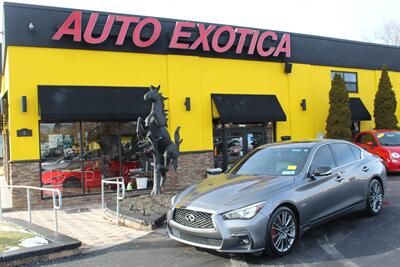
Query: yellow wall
x,y
180,77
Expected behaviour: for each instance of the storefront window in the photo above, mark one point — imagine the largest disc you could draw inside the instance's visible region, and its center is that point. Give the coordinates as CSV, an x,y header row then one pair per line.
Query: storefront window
x,y
240,139
100,153
60,157
107,149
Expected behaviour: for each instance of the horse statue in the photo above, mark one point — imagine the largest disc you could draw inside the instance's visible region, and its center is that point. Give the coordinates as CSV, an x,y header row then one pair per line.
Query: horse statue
x,y
153,130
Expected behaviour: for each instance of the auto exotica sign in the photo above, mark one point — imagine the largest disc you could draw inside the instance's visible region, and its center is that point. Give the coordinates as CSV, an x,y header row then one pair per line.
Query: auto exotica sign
x,y
219,39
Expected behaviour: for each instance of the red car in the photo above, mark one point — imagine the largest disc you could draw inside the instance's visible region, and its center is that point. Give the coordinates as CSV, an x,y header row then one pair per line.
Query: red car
x,y
383,143
91,174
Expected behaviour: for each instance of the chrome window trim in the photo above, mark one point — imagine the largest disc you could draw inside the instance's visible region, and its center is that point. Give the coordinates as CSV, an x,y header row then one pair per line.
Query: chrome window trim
x,y
330,143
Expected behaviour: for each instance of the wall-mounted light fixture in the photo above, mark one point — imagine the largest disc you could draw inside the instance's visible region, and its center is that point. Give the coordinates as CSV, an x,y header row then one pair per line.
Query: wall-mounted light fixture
x,y
31,27
288,67
24,107
303,105
187,103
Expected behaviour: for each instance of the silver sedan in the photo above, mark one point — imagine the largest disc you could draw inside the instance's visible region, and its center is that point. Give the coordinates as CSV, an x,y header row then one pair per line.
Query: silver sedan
x,y
276,193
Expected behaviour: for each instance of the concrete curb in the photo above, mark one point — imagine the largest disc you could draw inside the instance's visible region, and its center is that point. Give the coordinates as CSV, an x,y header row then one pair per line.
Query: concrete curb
x,y
134,222
60,246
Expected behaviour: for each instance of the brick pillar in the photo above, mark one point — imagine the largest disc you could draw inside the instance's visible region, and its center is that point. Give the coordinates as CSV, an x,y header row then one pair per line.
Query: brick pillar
x,y
6,157
191,169
26,173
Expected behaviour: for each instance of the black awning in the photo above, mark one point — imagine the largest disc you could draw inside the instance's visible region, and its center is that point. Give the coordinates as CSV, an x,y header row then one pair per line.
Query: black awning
x,y
71,103
358,111
248,108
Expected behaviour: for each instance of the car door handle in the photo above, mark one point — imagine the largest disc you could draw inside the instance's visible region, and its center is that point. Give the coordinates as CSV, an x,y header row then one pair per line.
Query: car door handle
x,y
365,169
339,178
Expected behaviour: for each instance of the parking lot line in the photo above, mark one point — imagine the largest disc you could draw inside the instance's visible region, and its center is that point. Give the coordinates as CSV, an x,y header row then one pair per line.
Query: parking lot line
x,y
330,249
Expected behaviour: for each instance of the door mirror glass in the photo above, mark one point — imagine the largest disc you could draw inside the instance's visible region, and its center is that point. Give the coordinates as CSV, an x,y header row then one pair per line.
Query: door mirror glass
x,y
322,171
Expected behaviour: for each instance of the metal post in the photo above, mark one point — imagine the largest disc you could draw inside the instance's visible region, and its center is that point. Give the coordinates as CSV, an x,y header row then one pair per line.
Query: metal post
x,y
55,213
29,204
117,204
1,207
102,198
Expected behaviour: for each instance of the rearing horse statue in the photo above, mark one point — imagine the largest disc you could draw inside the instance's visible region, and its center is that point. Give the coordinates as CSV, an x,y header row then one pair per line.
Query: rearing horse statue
x,y
153,129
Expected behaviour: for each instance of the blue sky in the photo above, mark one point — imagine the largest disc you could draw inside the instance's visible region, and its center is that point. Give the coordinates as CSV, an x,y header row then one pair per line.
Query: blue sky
x,y
351,19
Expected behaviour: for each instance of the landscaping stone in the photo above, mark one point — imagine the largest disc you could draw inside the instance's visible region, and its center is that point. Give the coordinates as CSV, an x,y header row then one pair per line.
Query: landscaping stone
x,y
143,212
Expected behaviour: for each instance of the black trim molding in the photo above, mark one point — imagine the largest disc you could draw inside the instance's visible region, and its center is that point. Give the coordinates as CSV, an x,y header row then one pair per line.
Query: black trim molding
x,y
307,49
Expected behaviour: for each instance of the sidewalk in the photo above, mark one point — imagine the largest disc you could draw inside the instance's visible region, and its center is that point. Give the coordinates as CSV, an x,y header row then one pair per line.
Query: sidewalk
x,y
88,227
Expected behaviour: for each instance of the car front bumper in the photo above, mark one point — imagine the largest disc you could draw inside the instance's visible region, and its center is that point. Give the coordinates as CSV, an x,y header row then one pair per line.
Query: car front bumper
x,y
393,165
233,236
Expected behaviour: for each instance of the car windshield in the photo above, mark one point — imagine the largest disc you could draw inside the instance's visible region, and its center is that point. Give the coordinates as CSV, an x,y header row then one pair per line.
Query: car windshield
x,y
274,161
389,138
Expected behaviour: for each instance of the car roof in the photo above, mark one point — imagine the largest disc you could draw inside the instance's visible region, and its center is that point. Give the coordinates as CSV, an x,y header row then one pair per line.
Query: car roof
x,y
378,131
307,143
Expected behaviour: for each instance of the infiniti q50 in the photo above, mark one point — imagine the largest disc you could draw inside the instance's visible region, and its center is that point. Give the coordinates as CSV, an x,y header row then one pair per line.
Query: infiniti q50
x,y
274,194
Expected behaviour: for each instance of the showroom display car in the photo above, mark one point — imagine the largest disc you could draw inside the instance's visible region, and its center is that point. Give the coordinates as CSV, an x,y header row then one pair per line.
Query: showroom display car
x,y
72,176
274,194
383,143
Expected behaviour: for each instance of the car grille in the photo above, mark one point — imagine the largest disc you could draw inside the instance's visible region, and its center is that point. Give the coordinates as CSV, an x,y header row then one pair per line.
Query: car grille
x,y
215,242
193,219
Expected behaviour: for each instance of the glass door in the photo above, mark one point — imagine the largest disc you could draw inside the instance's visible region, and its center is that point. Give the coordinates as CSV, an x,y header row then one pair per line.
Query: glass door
x,y
240,139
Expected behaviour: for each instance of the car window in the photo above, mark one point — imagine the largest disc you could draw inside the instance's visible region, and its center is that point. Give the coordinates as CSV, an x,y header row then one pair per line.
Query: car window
x,y
343,153
276,161
358,139
323,158
389,138
367,138
356,152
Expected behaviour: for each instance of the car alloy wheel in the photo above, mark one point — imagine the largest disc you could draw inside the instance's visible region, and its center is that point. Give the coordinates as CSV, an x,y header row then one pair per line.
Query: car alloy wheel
x,y
375,197
282,230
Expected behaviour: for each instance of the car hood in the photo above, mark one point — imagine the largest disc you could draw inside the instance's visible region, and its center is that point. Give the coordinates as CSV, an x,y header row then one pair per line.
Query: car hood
x,y
392,149
229,190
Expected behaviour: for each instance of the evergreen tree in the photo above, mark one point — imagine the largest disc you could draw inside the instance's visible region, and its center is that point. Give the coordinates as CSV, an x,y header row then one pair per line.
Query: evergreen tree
x,y
385,103
338,123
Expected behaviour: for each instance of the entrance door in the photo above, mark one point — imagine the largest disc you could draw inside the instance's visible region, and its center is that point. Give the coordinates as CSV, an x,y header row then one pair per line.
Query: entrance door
x,y
101,149
240,139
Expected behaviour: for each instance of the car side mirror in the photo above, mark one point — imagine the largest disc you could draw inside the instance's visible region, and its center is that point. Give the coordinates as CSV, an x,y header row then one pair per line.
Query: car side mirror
x,y
322,171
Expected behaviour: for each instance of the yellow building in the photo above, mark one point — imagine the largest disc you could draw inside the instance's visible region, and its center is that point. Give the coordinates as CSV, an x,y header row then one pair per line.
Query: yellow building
x,y
73,84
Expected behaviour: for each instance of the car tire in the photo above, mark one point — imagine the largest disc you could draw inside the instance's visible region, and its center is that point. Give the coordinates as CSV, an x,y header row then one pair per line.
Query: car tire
x,y
72,182
374,201
280,239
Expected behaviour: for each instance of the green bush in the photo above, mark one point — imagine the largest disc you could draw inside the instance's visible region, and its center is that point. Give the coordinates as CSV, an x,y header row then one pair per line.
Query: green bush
x,y
385,103
338,123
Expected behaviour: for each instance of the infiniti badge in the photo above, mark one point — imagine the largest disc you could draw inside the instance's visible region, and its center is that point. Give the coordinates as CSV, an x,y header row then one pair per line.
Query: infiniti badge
x,y
189,217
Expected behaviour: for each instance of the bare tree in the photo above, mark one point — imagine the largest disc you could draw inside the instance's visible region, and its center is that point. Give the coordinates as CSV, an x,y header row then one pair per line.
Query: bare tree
x,y
389,32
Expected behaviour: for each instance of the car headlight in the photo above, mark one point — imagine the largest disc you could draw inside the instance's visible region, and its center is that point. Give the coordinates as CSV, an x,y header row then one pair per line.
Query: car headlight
x,y
395,155
173,200
245,213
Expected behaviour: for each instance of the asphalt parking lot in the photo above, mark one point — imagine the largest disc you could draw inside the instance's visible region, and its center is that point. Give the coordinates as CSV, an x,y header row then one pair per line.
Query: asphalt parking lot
x,y
353,240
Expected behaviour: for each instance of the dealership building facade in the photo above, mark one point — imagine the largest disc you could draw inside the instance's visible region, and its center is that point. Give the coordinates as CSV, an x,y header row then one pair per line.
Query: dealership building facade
x,y
73,83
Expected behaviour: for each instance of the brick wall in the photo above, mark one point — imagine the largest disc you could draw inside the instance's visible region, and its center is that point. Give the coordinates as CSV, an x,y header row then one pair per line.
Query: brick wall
x,y
192,167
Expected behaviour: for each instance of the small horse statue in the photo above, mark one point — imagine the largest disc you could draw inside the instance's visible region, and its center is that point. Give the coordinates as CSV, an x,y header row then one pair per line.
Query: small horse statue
x,y
153,129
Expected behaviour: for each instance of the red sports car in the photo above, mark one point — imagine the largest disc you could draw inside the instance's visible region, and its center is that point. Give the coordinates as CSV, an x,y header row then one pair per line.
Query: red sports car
x,y
383,143
71,176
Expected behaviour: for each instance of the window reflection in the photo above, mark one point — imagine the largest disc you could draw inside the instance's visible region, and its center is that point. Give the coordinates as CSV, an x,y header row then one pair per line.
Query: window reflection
x,y
107,149
240,139
100,153
60,154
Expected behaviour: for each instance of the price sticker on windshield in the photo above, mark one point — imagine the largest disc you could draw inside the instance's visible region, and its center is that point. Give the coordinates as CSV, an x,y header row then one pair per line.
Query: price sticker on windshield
x,y
292,167
380,135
